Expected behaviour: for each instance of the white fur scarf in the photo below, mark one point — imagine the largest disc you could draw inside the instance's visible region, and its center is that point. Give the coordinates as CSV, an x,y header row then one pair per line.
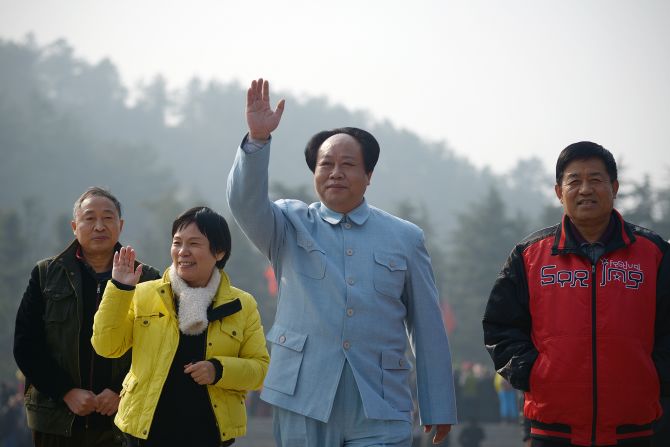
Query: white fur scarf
x,y
193,302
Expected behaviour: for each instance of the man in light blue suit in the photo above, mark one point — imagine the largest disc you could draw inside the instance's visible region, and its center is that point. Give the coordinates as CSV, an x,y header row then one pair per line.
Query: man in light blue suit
x,y
354,283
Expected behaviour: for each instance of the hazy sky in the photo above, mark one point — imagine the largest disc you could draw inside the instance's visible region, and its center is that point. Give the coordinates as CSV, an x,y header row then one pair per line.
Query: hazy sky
x,y
497,80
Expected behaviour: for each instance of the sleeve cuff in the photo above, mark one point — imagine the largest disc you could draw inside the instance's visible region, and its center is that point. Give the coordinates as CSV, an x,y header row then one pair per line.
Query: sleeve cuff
x,y
122,286
250,146
218,369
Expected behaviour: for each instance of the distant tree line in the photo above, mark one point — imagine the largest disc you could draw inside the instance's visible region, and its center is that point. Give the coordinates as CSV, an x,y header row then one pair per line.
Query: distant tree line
x,y
66,124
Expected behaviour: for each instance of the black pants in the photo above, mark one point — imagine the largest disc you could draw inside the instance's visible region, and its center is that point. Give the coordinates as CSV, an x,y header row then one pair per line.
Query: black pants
x,y
79,438
132,441
544,443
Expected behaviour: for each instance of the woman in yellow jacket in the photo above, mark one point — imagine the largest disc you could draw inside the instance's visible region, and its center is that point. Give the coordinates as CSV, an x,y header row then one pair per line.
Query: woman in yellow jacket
x,y
198,344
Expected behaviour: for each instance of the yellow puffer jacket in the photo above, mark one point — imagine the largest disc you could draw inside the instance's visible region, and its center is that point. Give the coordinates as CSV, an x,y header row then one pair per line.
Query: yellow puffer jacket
x,y
144,319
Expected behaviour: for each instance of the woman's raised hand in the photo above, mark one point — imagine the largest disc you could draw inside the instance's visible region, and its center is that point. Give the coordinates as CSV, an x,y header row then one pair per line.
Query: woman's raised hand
x,y
123,267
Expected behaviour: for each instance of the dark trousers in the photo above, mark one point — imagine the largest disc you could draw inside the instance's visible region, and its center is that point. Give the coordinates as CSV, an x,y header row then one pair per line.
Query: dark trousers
x,y
79,438
544,443
132,441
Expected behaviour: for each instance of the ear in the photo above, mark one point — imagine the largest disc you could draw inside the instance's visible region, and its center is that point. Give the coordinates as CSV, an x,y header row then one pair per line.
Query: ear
x,y
559,192
73,224
615,188
219,256
120,225
369,175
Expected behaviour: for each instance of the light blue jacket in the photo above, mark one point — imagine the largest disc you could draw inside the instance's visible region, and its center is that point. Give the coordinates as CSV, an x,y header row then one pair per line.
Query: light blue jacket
x,y
350,288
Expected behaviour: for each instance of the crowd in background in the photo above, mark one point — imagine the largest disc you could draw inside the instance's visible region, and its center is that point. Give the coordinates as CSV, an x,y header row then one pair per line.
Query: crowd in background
x,y
13,429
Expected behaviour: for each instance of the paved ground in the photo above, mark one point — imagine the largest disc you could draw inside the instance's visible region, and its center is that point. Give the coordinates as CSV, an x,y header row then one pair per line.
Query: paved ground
x,y
497,435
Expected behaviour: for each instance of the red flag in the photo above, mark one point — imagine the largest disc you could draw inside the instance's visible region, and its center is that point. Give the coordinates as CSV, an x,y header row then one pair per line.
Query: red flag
x,y
271,280
448,316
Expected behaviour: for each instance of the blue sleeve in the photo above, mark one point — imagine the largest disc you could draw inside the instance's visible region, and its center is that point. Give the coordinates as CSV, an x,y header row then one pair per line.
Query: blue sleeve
x,y
428,338
260,219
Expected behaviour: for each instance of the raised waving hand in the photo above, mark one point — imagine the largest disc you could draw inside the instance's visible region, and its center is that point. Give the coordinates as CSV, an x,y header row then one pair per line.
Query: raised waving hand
x,y
261,119
123,267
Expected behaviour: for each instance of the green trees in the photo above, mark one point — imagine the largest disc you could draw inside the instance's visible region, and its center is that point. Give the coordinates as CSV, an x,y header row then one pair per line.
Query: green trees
x,y
483,239
20,241
67,123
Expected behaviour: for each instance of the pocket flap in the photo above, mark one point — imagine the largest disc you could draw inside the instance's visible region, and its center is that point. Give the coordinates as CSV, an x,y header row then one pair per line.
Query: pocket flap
x,y
305,241
281,336
58,293
393,360
130,382
232,331
391,261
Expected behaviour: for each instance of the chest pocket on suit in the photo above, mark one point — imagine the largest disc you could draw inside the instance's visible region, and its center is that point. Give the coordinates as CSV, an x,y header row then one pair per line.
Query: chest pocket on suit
x,y
310,259
389,273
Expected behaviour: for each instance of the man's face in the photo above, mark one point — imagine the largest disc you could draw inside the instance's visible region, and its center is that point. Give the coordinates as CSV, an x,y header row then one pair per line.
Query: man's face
x,y
586,192
340,179
97,225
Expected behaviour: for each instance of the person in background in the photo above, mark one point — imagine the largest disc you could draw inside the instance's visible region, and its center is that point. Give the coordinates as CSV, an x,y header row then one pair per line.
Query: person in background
x,y
71,393
506,400
197,342
472,434
579,316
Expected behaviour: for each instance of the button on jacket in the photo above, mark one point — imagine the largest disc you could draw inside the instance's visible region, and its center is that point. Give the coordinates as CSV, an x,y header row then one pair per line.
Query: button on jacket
x,y
351,287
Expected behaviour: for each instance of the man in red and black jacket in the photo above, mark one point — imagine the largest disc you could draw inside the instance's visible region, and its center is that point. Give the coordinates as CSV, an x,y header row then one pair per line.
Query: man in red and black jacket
x,y
579,316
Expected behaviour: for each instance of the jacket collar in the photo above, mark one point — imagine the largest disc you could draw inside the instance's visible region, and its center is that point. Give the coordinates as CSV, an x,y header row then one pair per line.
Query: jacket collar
x,y
358,215
224,304
69,256
566,242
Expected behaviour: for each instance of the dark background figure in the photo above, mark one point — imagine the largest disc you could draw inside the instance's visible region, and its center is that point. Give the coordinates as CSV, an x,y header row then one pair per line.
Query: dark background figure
x,y
13,429
472,435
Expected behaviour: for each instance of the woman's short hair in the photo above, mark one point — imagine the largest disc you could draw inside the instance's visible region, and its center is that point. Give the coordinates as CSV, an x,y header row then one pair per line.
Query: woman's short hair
x,y
212,225
368,143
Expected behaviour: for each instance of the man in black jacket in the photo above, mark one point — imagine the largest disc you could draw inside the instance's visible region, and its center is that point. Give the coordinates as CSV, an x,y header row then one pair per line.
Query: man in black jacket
x,y
71,392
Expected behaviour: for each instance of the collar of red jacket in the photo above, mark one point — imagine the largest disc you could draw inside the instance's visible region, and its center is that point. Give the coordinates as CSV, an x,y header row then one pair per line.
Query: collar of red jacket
x,y
616,235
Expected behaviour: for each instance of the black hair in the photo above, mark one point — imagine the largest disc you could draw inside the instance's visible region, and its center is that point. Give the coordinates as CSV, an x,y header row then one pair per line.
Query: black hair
x,y
584,150
94,191
368,143
212,225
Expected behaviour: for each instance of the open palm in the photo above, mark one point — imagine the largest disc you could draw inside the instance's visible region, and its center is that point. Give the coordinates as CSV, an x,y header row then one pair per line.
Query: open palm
x,y
123,267
261,119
